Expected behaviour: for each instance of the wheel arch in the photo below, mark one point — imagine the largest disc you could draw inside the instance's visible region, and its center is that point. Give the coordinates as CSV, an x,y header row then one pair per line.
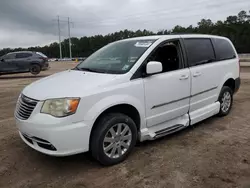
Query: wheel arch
x,y
124,108
230,83
35,63
228,80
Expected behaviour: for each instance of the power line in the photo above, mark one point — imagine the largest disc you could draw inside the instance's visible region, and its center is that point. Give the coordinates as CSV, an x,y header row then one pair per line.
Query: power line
x,y
156,11
59,35
159,15
169,15
174,10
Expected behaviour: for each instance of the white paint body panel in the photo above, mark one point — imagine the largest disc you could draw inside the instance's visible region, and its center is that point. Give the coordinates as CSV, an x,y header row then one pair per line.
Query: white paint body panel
x,y
212,77
204,113
161,92
162,100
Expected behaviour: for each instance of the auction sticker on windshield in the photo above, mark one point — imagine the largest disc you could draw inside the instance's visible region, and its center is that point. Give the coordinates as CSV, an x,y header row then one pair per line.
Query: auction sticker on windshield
x,y
143,44
125,67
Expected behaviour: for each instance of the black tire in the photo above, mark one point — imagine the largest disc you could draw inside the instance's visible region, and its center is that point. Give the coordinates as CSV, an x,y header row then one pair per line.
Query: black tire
x,y
35,69
100,131
224,90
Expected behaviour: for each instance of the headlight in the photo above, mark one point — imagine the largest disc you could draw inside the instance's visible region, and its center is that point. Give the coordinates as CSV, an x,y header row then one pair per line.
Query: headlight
x,y
60,107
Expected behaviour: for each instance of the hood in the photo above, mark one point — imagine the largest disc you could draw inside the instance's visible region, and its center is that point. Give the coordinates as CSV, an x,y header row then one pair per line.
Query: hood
x,y
71,83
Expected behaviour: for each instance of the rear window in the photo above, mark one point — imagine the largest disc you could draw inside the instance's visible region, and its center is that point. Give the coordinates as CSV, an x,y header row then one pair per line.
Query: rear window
x,y
199,51
41,54
23,55
223,49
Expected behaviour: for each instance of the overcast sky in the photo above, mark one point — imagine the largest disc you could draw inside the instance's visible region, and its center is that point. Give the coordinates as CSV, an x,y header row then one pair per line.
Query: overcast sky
x,y
27,23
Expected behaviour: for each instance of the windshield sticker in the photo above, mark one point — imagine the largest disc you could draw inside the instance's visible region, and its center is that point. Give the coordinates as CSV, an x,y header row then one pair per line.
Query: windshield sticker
x,y
143,44
125,67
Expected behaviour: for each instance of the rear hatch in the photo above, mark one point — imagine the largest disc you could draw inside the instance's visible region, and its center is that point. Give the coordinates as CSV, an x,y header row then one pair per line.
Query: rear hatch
x,y
42,56
45,60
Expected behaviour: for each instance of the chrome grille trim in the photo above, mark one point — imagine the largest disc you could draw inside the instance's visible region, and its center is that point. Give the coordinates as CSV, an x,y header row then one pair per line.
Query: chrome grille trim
x,y
25,107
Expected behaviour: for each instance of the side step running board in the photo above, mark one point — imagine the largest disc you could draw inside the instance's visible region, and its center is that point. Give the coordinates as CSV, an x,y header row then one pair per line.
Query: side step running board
x,y
168,130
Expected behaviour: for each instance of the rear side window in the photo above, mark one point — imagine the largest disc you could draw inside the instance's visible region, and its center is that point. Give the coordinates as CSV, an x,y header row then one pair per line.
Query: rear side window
x,y
23,55
199,51
223,49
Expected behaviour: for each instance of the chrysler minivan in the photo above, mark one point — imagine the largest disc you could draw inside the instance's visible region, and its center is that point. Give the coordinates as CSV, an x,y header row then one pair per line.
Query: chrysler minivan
x,y
128,91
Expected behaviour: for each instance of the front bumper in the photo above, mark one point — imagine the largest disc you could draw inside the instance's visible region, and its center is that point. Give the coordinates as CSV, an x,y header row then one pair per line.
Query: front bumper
x,y
54,139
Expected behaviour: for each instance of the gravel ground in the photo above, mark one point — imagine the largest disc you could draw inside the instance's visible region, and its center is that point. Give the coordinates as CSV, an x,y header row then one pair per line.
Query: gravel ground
x,y
214,153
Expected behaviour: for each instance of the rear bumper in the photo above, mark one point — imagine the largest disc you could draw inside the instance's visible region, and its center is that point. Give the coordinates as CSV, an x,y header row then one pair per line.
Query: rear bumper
x,y
45,66
237,84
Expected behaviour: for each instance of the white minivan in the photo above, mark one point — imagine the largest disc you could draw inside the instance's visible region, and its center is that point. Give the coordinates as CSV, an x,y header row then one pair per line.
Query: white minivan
x,y
131,90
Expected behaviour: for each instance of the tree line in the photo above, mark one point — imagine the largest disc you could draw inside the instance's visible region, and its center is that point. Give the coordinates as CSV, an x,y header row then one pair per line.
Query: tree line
x,y
236,28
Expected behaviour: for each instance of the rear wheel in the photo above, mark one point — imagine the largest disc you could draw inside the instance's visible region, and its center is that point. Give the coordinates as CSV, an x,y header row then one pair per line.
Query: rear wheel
x,y
226,100
35,69
113,138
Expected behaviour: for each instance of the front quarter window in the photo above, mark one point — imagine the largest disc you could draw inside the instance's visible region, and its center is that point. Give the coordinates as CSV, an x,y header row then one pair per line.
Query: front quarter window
x,y
116,58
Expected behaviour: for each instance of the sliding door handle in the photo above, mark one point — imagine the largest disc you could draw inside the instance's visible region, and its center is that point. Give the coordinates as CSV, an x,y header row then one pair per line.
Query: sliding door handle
x,y
196,74
184,77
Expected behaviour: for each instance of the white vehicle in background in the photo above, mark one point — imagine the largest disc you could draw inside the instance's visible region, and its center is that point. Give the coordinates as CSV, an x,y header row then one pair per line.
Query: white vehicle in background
x,y
65,59
132,90
53,59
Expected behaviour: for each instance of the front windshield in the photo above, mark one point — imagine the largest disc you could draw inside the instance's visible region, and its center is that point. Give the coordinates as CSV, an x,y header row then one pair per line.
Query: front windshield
x,y
116,58
3,57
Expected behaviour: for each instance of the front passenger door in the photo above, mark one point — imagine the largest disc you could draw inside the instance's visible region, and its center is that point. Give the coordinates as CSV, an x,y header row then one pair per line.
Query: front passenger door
x,y
167,93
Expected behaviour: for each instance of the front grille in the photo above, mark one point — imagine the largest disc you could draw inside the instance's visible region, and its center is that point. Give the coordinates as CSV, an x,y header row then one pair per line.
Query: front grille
x,y
25,107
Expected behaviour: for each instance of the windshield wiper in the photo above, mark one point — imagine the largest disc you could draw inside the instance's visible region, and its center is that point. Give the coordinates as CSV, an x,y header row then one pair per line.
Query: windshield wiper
x,y
76,68
87,69
90,70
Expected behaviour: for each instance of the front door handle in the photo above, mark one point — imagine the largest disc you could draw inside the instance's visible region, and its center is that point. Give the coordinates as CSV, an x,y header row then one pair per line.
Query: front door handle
x,y
196,74
184,77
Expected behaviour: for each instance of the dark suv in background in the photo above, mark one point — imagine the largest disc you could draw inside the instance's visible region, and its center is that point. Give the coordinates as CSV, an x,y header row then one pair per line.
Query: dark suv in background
x,y
24,61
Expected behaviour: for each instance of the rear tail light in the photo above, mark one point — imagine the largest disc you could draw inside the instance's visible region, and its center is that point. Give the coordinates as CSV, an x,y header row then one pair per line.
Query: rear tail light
x,y
43,58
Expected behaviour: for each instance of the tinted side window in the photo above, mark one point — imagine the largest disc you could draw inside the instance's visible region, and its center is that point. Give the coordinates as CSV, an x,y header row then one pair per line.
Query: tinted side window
x,y
169,55
199,51
23,55
28,55
223,49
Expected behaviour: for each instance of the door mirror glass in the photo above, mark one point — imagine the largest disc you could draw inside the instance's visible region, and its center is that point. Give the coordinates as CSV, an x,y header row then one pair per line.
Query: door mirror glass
x,y
2,59
154,67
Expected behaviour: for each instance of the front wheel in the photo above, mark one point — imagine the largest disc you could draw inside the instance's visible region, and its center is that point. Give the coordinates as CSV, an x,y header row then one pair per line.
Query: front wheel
x,y
226,100
113,139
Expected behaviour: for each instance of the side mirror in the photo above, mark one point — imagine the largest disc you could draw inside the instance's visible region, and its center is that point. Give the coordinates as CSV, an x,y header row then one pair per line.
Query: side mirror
x,y
2,60
153,67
